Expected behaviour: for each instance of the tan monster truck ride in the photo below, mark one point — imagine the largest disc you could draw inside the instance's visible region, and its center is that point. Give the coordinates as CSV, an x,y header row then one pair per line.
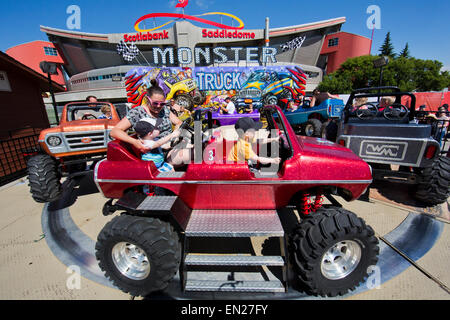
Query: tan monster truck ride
x,y
65,150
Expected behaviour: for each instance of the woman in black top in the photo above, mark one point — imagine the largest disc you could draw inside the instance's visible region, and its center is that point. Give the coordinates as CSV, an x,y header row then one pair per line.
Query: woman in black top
x,y
153,106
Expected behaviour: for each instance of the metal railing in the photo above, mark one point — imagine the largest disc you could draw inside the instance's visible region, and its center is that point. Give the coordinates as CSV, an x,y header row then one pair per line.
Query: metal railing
x,y
13,152
439,129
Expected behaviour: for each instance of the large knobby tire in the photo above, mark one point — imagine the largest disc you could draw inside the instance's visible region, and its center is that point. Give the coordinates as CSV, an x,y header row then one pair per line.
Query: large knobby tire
x,y
199,98
185,100
44,179
270,100
329,131
286,94
434,186
313,128
139,255
332,250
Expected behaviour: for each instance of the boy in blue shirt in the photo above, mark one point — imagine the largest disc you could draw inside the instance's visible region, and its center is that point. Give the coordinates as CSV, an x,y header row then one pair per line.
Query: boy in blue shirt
x,y
147,131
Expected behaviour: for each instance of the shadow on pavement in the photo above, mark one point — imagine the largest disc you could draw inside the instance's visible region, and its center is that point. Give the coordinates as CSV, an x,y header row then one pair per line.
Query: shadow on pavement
x,y
72,188
395,192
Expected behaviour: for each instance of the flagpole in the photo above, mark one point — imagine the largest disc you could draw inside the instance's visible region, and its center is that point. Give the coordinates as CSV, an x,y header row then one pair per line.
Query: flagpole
x,y
148,63
137,60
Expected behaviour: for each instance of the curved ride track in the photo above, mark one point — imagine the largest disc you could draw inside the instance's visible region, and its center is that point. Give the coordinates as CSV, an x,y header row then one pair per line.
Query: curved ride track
x,y
414,237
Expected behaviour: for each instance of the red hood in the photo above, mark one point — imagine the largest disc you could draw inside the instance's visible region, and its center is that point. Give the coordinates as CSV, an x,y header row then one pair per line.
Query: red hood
x,y
322,145
321,157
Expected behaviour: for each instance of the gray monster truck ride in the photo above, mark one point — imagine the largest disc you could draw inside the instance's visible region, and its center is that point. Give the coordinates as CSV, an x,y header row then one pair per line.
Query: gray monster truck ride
x,y
394,142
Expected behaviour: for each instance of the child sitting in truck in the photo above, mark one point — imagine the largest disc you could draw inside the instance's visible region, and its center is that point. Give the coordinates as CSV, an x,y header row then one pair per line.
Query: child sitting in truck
x,y
242,151
106,112
386,102
147,132
292,106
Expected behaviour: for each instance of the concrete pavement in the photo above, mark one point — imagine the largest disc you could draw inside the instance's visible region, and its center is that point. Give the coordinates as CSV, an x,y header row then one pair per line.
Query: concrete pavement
x,y
29,269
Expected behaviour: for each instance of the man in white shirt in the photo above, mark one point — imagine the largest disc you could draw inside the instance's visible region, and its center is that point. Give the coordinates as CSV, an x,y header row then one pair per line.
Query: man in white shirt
x,y
230,108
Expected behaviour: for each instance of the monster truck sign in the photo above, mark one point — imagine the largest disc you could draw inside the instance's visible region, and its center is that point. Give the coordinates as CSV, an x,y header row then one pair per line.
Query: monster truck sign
x,y
186,83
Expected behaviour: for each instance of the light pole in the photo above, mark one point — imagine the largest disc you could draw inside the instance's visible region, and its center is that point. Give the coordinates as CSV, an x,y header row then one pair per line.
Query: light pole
x,y
50,68
380,63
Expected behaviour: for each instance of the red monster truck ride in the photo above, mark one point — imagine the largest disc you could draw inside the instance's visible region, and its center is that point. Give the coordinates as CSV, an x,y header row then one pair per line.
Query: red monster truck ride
x,y
327,251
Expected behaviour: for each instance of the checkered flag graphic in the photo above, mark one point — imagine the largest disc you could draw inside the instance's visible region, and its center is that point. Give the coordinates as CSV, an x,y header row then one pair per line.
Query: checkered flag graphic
x,y
128,53
293,44
131,53
121,47
133,50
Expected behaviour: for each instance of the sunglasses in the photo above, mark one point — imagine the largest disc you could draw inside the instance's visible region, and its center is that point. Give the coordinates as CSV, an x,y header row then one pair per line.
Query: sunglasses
x,y
157,104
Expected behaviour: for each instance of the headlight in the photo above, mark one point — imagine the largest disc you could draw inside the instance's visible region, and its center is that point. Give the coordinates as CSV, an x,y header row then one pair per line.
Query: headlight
x,y
54,141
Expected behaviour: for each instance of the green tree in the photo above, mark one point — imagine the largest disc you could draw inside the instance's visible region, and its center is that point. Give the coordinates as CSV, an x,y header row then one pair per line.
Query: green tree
x,y
399,73
428,76
409,74
387,49
405,52
354,73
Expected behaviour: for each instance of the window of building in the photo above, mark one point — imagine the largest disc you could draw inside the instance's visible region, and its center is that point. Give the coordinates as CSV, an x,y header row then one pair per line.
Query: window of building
x,y
333,42
50,51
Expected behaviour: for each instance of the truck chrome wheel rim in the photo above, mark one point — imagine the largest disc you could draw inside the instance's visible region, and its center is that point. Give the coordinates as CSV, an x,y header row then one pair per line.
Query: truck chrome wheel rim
x,y
182,101
340,260
309,130
272,100
131,261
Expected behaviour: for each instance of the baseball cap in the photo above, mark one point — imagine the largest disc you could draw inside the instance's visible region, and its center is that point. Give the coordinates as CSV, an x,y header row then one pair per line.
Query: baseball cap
x,y
246,123
146,125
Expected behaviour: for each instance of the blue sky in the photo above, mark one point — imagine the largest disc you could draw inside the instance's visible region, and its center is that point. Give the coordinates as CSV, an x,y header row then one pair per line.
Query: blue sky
x,y
423,24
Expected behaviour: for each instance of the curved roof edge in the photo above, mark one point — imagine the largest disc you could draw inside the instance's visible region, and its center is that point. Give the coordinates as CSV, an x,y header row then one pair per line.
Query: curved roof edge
x,y
75,34
307,26
272,31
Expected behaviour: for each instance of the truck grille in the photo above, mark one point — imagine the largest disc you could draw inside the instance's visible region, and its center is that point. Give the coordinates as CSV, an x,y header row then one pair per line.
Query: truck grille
x,y
250,93
86,141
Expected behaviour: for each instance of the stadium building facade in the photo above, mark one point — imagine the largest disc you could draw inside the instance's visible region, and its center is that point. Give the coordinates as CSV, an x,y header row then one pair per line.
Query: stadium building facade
x,y
316,47
88,51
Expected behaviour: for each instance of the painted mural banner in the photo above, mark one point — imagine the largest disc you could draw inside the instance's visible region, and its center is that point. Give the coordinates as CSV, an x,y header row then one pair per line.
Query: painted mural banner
x,y
209,86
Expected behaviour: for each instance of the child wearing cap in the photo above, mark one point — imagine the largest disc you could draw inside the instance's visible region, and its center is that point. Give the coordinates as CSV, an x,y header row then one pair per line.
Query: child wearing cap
x,y
147,131
242,151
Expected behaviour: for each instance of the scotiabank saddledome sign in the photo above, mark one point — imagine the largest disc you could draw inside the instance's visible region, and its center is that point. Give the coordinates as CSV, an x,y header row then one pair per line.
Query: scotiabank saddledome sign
x,y
185,55
217,34
225,34
226,31
146,36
